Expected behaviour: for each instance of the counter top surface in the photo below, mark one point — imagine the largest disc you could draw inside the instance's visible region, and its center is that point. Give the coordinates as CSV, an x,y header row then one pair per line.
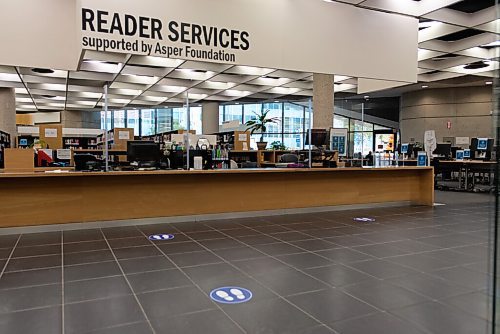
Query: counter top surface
x,y
198,172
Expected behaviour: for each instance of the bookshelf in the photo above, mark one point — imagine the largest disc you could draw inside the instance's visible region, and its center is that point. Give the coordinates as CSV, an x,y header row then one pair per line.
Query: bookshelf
x,y
4,143
117,138
79,143
235,140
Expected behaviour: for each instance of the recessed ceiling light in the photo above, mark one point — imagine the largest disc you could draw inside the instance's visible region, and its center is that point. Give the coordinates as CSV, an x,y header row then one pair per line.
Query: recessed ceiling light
x,y
476,65
367,96
237,103
489,82
425,86
276,101
42,70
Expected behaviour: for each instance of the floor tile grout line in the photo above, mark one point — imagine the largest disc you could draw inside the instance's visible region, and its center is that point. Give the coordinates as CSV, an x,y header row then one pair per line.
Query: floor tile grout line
x,y
10,256
192,281
129,284
63,318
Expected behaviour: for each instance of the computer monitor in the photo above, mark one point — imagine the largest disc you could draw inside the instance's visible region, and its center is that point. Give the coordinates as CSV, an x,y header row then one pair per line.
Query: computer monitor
x,y
319,137
144,153
467,154
443,150
482,144
86,162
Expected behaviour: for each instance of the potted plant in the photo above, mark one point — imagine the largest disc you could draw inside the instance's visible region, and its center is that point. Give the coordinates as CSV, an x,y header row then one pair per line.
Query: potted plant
x,y
278,146
259,124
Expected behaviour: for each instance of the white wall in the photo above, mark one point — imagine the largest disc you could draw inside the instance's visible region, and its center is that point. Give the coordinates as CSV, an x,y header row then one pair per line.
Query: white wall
x,y
39,33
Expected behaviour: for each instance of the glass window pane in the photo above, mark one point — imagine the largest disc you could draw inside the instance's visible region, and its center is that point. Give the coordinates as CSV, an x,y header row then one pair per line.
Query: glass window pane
x,y
362,142
293,141
179,119
293,121
221,114
103,124
119,119
340,122
133,121
196,123
357,125
148,122
233,112
164,119
251,110
274,112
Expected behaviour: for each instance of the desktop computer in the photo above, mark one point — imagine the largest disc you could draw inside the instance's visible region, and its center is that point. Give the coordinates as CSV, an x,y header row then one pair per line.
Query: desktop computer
x,y
143,154
443,150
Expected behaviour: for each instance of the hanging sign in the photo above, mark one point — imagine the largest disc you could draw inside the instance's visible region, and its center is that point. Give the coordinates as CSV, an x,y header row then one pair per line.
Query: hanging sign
x,y
204,31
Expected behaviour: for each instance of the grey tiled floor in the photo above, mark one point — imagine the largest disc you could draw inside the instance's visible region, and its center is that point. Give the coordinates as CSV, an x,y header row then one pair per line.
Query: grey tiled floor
x,y
415,270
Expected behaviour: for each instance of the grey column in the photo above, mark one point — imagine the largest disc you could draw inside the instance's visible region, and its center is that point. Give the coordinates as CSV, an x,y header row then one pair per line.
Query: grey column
x,y
8,112
80,119
210,117
323,101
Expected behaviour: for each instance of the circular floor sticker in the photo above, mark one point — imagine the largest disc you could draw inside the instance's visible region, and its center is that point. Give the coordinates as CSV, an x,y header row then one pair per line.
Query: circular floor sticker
x,y
231,295
364,219
156,237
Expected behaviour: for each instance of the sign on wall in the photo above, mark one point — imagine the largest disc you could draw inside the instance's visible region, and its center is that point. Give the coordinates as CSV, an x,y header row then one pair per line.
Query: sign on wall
x,y
338,141
301,35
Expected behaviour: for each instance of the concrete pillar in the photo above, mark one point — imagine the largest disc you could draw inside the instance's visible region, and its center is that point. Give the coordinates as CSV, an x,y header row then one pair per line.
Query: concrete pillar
x,y
210,117
80,119
322,101
8,111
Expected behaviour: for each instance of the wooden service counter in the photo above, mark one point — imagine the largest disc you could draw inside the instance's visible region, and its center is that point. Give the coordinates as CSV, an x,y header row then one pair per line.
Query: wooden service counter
x,y
50,198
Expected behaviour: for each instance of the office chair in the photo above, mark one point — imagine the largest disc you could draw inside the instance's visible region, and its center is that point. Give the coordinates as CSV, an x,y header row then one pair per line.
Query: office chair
x,y
287,159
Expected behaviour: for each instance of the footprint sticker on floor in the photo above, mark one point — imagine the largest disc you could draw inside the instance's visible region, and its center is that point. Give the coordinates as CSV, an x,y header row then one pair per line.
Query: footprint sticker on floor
x,y
223,294
238,293
231,295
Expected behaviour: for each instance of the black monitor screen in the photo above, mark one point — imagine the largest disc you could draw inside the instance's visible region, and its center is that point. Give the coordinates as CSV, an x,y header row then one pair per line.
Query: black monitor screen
x,y
318,137
443,149
143,151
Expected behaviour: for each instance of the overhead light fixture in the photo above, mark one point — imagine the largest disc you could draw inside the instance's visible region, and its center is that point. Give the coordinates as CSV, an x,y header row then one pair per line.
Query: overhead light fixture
x,y
42,70
426,24
492,44
425,86
367,96
489,82
476,65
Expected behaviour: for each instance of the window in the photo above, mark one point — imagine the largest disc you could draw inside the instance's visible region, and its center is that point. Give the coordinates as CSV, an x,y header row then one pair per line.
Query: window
x,y
108,120
179,119
233,112
357,125
164,120
196,121
250,110
133,121
362,142
119,118
148,122
340,122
